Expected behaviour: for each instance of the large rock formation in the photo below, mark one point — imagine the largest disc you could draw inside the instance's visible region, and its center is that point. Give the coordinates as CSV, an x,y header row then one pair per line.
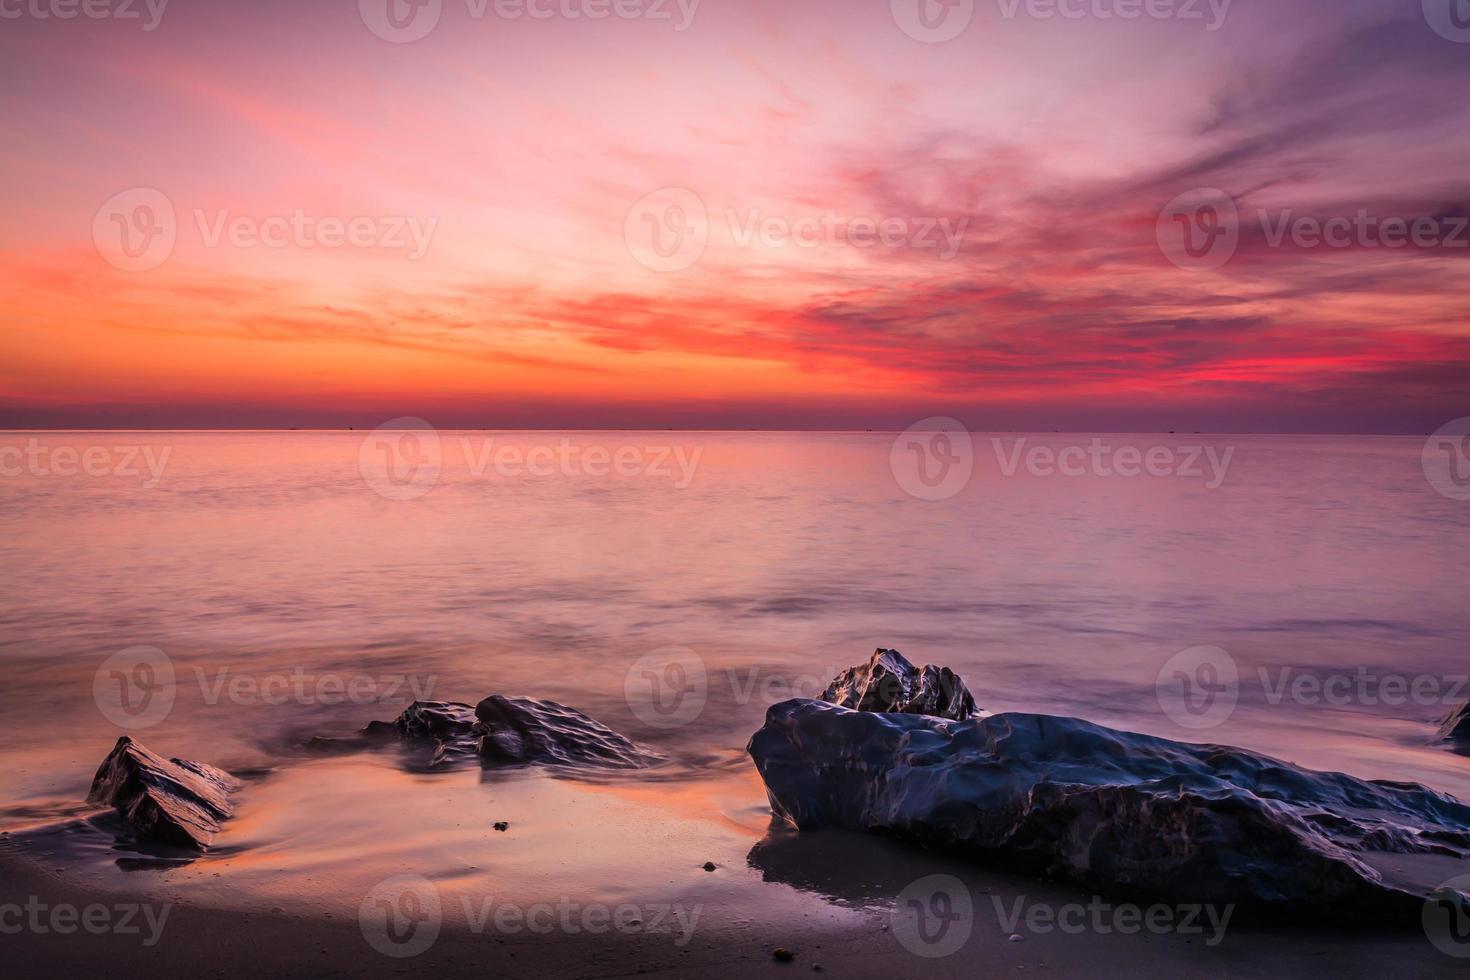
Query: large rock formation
x,y
888,682
168,800
513,731
1117,812
1456,727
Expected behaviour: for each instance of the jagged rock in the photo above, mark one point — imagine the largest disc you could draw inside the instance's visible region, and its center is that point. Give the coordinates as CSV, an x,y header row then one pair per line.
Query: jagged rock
x,y
432,719
1112,810
518,731
888,682
168,800
449,725
1456,727
512,731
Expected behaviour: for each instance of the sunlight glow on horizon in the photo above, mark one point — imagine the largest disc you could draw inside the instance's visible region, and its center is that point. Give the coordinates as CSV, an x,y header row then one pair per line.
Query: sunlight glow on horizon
x,y
514,151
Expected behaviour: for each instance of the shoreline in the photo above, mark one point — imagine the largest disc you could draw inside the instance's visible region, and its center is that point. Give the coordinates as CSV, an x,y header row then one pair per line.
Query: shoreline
x,y
206,941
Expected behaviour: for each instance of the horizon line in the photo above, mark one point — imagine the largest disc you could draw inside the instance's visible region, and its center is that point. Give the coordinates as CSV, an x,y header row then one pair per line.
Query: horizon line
x,y
758,429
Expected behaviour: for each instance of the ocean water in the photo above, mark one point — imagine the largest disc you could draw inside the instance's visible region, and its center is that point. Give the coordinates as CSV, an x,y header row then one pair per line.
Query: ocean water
x,y
223,596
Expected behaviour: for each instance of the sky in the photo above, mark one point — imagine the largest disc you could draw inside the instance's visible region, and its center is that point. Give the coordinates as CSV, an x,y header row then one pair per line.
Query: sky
x,y
736,213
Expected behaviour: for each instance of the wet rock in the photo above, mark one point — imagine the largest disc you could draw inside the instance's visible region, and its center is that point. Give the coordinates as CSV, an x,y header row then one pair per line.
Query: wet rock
x,y
171,801
888,682
442,720
521,731
1114,811
448,725
1456,727
502,731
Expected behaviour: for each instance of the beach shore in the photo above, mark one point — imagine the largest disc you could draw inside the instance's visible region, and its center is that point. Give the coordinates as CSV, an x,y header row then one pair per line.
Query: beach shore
x,y
201,940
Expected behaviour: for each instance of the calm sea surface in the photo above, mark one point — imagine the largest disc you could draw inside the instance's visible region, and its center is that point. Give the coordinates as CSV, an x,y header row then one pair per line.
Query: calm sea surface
x,y
674,584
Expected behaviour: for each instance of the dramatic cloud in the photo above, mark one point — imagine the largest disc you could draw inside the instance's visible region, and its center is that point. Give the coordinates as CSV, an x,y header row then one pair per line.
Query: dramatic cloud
x,y
853,227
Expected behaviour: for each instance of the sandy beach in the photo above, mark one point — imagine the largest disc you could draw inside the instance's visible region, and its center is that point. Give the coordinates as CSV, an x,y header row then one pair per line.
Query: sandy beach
x,y
617,877
201,940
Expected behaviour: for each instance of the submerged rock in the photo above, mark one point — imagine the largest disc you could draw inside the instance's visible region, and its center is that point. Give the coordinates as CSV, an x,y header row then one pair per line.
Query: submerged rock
x,y
1456,727
172,801
1108,809
512,731
888,682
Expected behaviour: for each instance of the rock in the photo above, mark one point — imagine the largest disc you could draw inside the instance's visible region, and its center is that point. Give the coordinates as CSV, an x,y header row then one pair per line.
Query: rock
x,y
1456,727
443,720
501,826
168,800
1114,811
521,731
511,731
888,682
709,866
782,955
448,725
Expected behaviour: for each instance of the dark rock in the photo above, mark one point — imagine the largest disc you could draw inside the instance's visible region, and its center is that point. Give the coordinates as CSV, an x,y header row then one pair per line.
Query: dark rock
x,y
783,955
1114,811
888,682
167,800
521,731
446,725
501,826
1456,727
709,866
442,720
503,731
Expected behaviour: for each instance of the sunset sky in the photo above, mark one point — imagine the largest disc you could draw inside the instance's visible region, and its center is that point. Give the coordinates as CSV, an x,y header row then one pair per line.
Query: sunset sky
x,y
521,149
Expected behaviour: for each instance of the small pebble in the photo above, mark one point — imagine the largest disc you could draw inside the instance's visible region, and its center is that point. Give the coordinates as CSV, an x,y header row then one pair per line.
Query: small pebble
x,y
1016,937
709,865
502,826
783,955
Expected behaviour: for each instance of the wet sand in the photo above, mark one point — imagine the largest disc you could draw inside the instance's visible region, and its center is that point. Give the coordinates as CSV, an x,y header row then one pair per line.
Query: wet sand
x,y
283,893
204,941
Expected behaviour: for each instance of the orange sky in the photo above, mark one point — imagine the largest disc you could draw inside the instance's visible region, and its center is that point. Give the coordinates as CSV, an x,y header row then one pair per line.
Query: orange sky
x,y
507,179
